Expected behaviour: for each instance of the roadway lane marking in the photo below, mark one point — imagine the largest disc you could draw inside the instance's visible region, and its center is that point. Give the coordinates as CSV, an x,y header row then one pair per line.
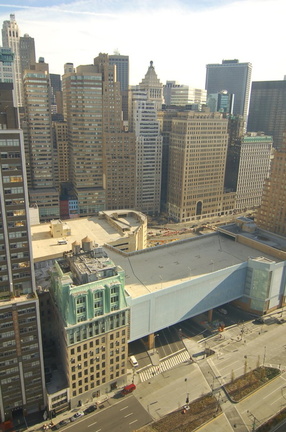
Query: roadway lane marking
x,y
91,424
276,400
134,421
98,430
271,393
128,415
221,367
121,409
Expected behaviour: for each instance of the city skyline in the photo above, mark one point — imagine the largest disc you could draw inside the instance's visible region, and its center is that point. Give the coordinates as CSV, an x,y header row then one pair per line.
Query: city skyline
x,y
207,27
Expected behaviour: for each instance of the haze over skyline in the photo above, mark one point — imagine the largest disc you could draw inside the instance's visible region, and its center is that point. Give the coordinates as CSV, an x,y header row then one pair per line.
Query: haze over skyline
x,y
179,36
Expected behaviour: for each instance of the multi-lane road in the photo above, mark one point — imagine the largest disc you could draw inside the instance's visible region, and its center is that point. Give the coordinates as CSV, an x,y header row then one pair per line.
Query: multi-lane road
x,y
238,347
125,414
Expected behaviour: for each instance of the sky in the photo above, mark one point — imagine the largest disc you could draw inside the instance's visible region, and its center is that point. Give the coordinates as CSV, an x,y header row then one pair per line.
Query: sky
x,y
179,36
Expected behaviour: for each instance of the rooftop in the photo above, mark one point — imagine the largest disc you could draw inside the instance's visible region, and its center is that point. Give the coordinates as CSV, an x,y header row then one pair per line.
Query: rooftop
x,y
156,268
87,266
96,228
261,236
160,267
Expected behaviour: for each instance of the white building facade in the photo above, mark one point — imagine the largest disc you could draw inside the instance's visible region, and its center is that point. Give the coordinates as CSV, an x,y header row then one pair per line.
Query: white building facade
x,y
254,168
11,39
149,142
152,86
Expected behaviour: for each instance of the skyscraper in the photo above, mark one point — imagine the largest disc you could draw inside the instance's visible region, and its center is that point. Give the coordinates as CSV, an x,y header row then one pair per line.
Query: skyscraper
x,y
6,65
119,153
152,86
165,118
221,102
21,360
148,152
197,156
122,75
248,165
267,109
175,94
271,215
234,77
11,39
82,99
27,52
101,151
56,87
40,153
182,95
61,144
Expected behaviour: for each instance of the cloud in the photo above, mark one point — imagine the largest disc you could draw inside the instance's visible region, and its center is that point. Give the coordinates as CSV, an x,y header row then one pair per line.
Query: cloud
x,y
180,36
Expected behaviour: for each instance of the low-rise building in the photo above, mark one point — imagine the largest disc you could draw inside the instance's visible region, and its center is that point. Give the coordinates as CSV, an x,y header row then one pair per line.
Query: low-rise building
x,y
126,230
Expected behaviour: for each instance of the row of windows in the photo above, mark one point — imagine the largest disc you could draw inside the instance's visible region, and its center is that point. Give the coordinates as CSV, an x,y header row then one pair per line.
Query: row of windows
x,y
97,383
99,341
92,360
9,142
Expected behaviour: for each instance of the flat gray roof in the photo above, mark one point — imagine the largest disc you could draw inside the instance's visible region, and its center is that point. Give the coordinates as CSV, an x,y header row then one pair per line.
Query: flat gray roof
x,y
156,268
265,237
97,229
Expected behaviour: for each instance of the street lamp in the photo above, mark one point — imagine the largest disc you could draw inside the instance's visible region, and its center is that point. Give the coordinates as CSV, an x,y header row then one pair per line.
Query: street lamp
x,y
254,420
264,356
187,397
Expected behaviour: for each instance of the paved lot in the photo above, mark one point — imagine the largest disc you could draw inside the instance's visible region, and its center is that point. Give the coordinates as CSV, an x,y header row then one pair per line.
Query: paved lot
x,y
240,346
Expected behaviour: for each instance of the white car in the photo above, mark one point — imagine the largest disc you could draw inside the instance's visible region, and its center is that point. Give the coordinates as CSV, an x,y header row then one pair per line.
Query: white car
x,y
76,416
62,242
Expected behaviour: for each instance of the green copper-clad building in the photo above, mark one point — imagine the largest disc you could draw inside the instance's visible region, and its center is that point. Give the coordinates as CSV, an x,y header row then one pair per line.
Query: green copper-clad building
x,y
92,319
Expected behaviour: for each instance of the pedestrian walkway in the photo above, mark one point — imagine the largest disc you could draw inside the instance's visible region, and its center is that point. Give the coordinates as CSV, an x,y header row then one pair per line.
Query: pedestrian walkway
x,y
164,365
234,418
216,383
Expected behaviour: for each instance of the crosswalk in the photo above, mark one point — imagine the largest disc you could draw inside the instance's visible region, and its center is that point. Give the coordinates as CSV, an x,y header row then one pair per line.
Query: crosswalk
x,y
164,365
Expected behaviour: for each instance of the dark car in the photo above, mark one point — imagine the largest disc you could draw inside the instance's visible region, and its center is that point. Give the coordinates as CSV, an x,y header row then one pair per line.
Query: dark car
x,y
64,422
258,320
56,427
90,409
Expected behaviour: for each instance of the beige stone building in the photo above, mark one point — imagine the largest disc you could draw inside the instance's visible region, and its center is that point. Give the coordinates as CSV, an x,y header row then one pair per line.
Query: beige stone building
x,y
197,157
271,215
82,105
90,326
61,141
152,86
101,151
41,159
